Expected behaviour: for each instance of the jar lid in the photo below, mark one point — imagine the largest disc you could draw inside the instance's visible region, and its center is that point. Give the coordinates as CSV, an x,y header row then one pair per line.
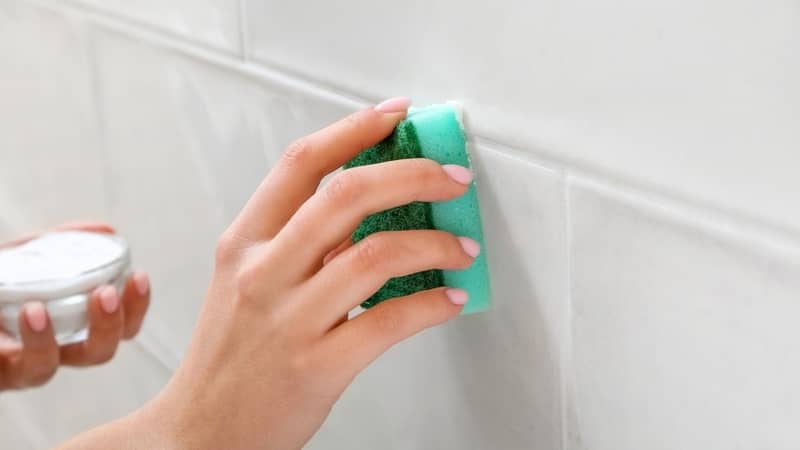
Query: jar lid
x,y
59,264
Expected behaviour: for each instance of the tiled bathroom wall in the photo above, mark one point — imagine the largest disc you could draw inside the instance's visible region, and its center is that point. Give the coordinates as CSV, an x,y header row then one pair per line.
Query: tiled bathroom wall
x,y
637,171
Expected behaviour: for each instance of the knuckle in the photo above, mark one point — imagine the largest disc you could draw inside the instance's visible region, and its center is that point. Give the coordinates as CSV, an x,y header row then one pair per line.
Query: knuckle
x,y
423,176
345,187
387,322
424,166
372,251
227,248
353,122
357,123
248,281
297,153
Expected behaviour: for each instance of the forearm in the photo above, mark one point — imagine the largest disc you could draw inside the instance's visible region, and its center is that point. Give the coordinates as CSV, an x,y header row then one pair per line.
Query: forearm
x,y
139,430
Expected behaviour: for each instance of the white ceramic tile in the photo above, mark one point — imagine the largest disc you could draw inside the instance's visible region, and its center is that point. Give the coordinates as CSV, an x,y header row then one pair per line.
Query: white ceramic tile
x,y
211,22
78,399
483,381
50,168
699,99
188,143
684,334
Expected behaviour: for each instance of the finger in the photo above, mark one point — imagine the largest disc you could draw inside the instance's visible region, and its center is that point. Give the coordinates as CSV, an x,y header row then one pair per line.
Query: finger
x,y
333,254
8,344
364,338
334,212
135,302
96,227
347,243
105,331
303,165
359,272
39,359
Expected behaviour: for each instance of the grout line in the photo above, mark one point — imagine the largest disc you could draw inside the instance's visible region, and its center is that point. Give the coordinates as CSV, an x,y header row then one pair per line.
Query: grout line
x,y
267,71
711,221
516,153
363,100
92,12
223,60
566,348
243,31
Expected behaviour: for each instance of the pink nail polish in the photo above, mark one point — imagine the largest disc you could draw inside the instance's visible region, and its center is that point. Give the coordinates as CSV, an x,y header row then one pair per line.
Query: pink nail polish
x,y
470,247
142,283
457,296
459,174
36,315
394,105
109,300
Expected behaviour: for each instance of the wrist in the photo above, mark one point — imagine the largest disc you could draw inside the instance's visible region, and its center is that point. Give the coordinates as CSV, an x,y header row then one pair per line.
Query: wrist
x,y
142,429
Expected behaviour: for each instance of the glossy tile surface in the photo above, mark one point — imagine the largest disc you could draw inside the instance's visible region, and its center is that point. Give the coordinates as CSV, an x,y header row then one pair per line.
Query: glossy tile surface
x,y
683,336
211,22
488,380
697,99
50,162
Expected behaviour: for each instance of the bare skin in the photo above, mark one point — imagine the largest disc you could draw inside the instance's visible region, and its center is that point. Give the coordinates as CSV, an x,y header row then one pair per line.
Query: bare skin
x,y
273,349
112,319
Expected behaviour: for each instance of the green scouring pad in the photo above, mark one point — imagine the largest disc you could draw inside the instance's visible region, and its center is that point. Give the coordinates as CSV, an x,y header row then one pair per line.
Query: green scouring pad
x,y
433,132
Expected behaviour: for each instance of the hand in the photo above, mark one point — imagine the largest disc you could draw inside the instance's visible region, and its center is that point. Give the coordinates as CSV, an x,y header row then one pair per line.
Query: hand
x,y
35,360
273,349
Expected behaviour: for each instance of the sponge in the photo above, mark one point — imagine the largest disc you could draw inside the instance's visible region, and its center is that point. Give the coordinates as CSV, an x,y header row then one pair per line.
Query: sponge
x,y
433,132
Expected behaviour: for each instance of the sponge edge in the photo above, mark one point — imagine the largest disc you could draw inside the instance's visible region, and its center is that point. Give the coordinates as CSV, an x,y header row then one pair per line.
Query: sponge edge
x,y
440,133
434,132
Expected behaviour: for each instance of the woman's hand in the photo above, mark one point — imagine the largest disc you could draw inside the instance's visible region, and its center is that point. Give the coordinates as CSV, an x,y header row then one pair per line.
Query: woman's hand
x,y
273,349
35,360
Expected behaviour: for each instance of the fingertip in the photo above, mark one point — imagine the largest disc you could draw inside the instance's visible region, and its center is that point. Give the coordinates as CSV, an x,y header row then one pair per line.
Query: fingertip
x,y
135,301
457,296
393,105
36,316
459,174
96,227
109,299
142,283
35,329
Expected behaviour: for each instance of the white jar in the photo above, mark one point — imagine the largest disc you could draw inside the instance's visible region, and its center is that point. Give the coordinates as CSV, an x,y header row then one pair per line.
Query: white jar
x,y
61,270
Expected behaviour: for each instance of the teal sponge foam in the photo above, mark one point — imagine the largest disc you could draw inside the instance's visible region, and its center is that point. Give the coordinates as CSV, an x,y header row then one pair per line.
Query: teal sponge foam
x,y
433,132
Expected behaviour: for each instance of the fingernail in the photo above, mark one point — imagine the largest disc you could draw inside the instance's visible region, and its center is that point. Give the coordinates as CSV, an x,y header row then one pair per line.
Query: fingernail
x,y
470,247
142,283
109,300
457,296
459,174
36,315
394,105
